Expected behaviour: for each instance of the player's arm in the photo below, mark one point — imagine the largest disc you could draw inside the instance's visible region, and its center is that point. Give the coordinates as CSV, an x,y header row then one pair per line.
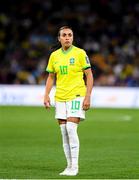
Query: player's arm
x,y
89,85
48,87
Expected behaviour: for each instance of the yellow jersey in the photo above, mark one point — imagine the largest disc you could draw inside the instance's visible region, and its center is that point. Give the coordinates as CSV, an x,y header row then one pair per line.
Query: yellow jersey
x,y
68,67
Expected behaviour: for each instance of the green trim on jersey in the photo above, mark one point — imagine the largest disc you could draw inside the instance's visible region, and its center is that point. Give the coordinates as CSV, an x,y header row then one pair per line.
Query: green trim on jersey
x,y
86,67
49,71
67,51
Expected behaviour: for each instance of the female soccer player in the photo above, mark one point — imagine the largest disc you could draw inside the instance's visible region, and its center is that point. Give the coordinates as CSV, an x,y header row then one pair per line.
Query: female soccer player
x,y
69,64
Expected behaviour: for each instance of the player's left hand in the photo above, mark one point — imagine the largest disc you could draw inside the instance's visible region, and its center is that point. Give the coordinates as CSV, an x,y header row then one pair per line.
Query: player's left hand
x,y
86,103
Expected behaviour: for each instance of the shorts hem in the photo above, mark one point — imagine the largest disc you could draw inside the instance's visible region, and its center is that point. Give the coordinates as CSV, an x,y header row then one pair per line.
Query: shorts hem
x,y
56,117
81,118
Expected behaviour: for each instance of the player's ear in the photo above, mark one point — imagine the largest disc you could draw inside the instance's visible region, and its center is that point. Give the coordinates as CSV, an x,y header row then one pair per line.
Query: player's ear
x,y
58,39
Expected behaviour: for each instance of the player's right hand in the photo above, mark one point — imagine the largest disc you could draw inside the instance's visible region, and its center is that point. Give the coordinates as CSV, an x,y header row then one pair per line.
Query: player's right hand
x,y
47,102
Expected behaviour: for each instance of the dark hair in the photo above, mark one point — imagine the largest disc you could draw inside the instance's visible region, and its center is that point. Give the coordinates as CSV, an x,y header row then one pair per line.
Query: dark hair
x,y
64,27
57,44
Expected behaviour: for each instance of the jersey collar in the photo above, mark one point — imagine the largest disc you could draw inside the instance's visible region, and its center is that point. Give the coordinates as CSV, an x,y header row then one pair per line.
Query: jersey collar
x,y
68,50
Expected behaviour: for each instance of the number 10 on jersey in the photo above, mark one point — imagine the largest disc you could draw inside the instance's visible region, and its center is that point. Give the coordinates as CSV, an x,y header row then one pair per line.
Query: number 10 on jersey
x,y
64,70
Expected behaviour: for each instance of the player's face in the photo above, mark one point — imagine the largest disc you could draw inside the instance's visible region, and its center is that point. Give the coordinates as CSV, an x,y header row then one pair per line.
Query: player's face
x,y
66,38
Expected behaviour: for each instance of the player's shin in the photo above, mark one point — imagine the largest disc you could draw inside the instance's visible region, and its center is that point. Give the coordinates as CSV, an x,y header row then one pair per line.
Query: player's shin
x,y
74,143
66,146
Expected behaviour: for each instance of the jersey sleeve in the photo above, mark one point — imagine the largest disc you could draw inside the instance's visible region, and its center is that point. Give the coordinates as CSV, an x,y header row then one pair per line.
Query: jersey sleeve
x,y
50,67
84,60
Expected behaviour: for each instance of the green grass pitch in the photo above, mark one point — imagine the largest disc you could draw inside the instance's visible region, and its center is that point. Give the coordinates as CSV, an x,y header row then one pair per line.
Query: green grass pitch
x,y
31,146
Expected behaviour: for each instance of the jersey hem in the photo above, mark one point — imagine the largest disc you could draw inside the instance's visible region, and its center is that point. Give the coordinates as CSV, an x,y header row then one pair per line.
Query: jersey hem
x,y
65,100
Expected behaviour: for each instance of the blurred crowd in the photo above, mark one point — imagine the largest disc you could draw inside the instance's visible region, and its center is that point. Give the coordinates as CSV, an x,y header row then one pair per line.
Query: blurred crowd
x,y
107,29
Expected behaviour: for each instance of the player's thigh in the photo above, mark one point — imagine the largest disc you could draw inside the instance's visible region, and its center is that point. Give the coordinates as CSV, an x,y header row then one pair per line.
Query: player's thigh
x,y
73,119
60,110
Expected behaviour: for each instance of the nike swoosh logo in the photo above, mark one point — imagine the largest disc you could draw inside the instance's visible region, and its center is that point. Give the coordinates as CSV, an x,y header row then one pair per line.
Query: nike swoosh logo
x,y
73,147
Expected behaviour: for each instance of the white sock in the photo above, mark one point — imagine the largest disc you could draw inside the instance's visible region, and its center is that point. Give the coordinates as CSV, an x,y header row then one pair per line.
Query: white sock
x,y
74,142
66,145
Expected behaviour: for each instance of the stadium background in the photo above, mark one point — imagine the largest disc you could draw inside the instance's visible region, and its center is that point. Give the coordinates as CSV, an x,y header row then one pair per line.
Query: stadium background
x,y
30,145
107,29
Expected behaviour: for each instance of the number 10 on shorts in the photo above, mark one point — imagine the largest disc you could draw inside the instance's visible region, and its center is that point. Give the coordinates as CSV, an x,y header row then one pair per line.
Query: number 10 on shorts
x,y
75,105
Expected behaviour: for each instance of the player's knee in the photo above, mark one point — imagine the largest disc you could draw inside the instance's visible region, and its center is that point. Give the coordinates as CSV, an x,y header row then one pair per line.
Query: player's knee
x,y
71,128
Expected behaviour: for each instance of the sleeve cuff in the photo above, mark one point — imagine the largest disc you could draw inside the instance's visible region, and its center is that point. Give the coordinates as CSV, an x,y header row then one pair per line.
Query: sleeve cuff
x,y
86,67
49,71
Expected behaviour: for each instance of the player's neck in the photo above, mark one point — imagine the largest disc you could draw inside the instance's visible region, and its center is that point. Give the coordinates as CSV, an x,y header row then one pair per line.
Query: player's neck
x,y
66,48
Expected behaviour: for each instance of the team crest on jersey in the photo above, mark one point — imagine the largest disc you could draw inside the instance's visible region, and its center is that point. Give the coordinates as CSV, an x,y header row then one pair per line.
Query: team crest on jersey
x,y
87,60
72,61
